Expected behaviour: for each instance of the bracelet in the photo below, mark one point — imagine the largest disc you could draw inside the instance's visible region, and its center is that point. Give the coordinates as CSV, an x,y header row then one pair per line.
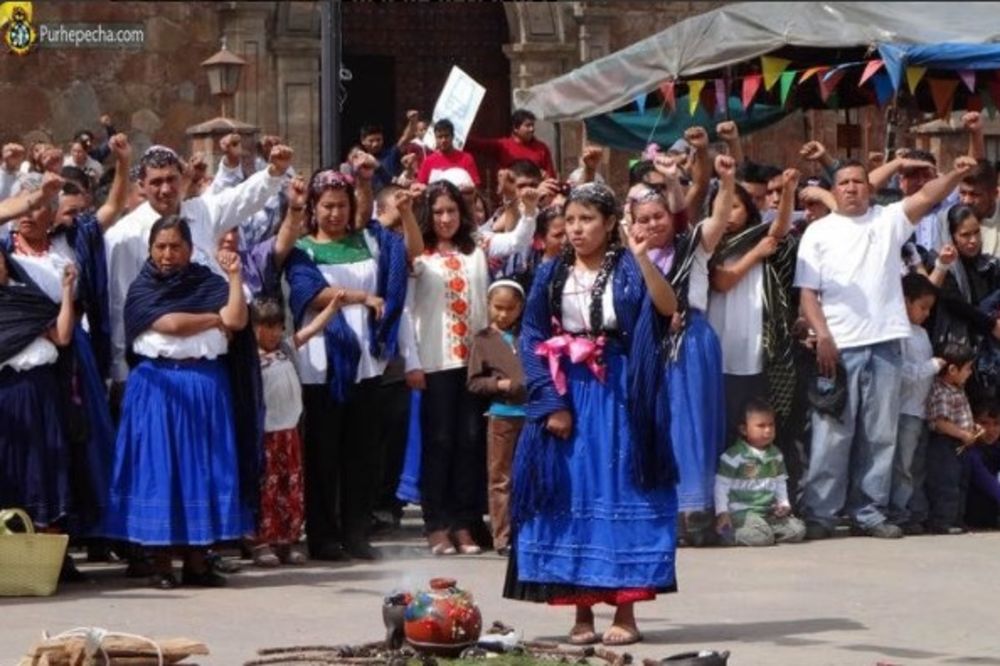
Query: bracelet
x,y
943,267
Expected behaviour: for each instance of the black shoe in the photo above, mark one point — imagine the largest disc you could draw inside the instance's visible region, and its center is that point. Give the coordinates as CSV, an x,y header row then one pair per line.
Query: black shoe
x,y
220,564
70,574
503,551
207,578
361,550
952,530
884,531
913,529
816,532
328,552
164,581
139,567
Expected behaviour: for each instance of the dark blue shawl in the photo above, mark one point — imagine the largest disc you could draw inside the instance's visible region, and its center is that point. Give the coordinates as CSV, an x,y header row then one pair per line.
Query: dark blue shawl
x,y
195,289
26,312
86,237
541,480
343,351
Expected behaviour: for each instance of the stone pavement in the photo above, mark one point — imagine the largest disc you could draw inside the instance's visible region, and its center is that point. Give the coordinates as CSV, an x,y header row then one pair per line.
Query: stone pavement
x,y
922,600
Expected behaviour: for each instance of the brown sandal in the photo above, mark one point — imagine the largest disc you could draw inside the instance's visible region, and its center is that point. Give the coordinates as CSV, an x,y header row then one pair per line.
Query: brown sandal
x,y
625,636
582,634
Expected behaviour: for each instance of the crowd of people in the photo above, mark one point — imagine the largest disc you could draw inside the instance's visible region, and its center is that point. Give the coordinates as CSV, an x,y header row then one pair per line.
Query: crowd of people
x,y
727,353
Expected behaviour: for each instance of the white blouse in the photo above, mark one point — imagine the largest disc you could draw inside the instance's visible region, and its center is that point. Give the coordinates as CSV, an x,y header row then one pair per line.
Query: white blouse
x,y
447,296
577,298
208,344
47,270
282,391
40,352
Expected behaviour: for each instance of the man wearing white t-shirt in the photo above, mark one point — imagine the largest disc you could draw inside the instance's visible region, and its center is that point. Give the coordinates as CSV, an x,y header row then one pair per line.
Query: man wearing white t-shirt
x,y
848,269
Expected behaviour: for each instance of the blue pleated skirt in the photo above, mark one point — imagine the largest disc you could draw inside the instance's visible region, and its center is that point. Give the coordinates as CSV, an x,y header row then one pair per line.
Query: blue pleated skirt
x,y
93,480
697,413
615,535
175,478
34,451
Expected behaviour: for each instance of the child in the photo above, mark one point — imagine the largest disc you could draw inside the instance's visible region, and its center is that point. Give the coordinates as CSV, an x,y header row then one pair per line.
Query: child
x,y
907,501
982,462
495,372
751,491
953,428
282,500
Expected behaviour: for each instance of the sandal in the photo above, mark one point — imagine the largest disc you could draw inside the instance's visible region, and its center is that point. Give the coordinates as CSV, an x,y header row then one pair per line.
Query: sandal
x,y
440,543
466,544
618,635
582,634
264,557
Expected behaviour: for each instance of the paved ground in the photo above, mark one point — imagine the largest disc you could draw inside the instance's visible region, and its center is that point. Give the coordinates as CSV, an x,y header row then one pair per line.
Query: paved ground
x,y
922,600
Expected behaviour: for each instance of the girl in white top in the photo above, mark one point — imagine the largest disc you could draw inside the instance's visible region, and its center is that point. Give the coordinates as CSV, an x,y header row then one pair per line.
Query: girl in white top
x,y
450,281
736,302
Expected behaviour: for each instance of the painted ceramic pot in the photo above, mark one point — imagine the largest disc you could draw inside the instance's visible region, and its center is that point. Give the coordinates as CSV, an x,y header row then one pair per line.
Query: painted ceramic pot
x,y
443,619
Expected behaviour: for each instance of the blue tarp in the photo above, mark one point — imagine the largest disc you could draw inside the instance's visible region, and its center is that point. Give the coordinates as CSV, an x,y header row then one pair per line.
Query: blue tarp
x,y
953,56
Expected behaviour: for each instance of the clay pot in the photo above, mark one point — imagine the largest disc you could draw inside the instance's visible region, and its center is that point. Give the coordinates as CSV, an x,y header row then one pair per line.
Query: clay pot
x,y
443,620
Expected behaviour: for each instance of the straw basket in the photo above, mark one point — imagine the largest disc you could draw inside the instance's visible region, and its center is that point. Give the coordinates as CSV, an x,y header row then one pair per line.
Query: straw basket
x,y
29,562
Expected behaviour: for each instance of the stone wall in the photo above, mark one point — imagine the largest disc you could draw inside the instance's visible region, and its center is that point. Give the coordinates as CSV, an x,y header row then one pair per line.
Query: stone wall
x,y
154,93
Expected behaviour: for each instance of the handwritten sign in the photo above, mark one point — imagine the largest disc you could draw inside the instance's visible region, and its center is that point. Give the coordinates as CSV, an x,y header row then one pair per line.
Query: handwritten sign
x,y
459,102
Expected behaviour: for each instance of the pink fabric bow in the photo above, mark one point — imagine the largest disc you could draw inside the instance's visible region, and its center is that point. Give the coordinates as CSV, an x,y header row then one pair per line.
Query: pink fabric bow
x,y
579,349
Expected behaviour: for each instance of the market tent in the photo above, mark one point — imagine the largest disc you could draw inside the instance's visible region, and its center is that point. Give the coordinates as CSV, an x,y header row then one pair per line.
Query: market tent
x,y
735,34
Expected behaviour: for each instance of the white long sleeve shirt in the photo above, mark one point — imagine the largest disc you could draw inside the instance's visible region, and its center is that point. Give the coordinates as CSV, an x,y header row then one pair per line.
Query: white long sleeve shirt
x,y
211,215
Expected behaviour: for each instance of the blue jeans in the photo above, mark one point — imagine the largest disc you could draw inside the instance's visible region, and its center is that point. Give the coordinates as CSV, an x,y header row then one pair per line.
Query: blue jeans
x,y
908,503
850,466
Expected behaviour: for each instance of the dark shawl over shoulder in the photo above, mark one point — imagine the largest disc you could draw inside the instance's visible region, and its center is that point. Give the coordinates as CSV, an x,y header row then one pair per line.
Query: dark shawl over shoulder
x,y
25,311
197,290
541,481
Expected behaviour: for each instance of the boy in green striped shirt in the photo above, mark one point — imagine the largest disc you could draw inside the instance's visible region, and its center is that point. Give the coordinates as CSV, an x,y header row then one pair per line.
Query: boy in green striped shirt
x,y
751,486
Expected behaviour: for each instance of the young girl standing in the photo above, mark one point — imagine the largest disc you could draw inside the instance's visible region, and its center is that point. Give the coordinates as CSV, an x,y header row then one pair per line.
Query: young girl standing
x,y
595,507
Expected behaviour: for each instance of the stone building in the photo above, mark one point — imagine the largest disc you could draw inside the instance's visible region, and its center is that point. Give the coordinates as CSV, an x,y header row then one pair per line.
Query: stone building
x,y
397,54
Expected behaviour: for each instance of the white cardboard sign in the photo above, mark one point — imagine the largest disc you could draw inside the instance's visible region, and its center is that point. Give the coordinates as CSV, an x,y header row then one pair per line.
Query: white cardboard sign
x,y
459,102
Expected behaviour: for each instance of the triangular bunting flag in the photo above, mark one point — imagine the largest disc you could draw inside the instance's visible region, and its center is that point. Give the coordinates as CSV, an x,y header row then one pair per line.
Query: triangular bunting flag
x,y
772,68
721,96
913,76
787,79
942,92
882,83
974,103
810,72
694,94
968,77
828,83
640,102
669,94
709,101
751,84
870,69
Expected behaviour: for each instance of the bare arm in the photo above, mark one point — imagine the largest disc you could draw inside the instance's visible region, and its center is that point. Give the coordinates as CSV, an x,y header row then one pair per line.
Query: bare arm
x,y
920,203
234,314
183,324
715,226
307,332
946,427
108,214
293,222
728,132
725,277
701,170
826,349
62,333
412,237
783,222
660,292
410,131
977,142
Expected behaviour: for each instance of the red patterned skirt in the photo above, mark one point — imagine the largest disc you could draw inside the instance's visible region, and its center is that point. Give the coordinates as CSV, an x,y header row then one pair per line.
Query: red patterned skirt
x,y
282,498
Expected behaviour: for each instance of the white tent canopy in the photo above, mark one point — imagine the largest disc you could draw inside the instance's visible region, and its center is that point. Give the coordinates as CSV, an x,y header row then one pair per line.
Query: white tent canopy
x,y
740,32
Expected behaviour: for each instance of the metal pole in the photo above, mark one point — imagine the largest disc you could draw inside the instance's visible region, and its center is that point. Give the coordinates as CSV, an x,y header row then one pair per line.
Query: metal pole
x,y
329,105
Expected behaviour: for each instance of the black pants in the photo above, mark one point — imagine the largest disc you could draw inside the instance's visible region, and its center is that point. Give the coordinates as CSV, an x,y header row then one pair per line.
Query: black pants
x,y
395,414
947,482
453,455
343,461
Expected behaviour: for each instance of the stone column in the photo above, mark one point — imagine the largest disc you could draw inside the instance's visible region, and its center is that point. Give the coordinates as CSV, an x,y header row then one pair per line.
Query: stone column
x,y
296,49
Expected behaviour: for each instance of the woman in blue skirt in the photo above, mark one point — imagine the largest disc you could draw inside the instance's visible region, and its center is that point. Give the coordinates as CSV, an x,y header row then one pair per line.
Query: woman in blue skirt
x,y
594,504
694,357
185,473
34,449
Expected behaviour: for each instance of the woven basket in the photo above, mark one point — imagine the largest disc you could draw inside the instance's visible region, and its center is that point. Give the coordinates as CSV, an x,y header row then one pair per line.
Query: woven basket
x,y
29,562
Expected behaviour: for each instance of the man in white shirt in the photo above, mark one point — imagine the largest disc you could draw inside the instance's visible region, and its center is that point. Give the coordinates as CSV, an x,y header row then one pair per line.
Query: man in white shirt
x,y
210,217
848,269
